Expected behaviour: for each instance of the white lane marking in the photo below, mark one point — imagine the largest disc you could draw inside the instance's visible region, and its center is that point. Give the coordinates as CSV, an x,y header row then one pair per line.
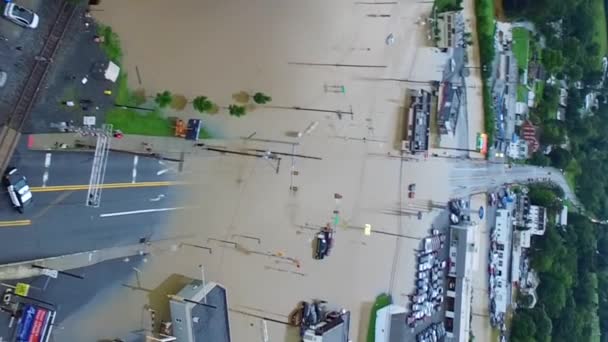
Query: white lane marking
x,y
47,160
134,172
144,211
47,163
161,172
157,198
45,178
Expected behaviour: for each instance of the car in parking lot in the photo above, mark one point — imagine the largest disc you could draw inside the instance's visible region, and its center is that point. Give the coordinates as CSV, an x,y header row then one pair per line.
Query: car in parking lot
x,y
21,15
17,188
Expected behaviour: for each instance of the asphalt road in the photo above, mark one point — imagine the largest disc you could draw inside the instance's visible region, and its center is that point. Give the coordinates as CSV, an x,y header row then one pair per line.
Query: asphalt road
x,y
60,223
470,177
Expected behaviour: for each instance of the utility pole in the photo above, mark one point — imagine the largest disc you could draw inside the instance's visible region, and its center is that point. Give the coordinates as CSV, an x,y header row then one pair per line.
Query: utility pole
x,y
340,65
98,170
338,112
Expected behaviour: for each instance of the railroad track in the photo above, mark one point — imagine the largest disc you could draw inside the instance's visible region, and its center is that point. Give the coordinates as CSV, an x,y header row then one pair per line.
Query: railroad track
x,y
11,132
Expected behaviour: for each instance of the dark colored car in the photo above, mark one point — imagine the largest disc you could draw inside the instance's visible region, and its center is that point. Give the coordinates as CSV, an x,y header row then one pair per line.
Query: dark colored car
x,y
321,246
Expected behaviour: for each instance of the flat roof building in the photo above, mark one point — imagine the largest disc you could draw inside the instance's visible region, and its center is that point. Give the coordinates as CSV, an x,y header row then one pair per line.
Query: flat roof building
x,y
445,28
462,251
192,322
417,123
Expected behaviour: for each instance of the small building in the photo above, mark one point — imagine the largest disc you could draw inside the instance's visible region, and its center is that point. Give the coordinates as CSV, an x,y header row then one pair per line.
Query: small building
x,y
561,219
530,134
560,113
444,28
518,149
195,322
330,330
417,129
448,107
461,265
563,97
530,217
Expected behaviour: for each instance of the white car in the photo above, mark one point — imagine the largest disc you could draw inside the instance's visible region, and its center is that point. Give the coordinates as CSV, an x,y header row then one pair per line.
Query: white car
x,y
17,189
21,16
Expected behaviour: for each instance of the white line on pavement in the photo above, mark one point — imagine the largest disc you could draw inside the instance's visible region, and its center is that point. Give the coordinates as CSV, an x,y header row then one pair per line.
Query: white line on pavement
x,y
45,177
47,163
161,172
144,211
47,160
134,172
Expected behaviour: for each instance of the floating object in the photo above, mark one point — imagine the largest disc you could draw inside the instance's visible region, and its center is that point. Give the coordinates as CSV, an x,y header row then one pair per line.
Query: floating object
x,y
390,39
367,230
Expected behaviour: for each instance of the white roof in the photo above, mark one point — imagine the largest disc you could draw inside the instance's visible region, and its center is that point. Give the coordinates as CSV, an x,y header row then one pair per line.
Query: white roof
x,y
112,72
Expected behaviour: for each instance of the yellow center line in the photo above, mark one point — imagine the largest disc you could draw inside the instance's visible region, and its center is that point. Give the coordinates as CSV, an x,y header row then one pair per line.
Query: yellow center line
x,y
15,223
104,186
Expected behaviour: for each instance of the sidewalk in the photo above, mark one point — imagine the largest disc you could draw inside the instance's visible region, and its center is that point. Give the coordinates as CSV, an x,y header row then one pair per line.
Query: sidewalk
x,y
24,269
169,147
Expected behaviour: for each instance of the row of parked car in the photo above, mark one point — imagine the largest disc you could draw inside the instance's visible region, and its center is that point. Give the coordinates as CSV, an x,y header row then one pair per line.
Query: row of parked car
x,y
428,296
433,333
459,209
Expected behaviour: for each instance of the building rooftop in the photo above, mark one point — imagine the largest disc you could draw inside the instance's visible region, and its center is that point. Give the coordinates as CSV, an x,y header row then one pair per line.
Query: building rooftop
x,y
200,323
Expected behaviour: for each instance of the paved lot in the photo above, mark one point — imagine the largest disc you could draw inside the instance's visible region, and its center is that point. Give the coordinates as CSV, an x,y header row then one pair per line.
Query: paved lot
x,y
18,51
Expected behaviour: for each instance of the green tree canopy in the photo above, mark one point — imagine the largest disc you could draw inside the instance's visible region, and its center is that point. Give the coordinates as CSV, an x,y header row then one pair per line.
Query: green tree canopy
x,y
163,99
261,98
236,110
553,60
202,104
560,158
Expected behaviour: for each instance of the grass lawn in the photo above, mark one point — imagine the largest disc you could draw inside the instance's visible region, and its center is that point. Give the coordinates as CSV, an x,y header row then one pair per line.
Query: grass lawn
x,y
521,47
134,122
599,26
447,5
522,93
495,336
381,301
539,88
572,171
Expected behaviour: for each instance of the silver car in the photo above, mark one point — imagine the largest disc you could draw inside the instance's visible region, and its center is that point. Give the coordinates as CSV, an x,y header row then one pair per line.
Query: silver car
x,y
21,16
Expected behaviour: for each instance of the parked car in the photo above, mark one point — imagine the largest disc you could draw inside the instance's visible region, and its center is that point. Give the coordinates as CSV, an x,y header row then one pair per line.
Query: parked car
x,y
412,187
321,246
454,219
21,16
411,194
18,189
454,207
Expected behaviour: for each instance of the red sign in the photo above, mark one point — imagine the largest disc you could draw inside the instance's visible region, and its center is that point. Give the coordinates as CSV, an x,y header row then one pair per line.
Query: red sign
x,y
39,323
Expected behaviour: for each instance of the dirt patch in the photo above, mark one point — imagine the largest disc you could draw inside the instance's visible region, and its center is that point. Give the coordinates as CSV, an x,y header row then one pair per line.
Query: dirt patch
x,y
139,96
241,97
179,102
499,10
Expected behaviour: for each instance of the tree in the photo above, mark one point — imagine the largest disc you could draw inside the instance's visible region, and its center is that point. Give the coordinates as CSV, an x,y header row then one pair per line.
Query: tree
x,y
202,104
523,326
560,158
575,72
164,99
261,98
236,110
539,159
552,293
525,299
552,133
553,60
544,327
